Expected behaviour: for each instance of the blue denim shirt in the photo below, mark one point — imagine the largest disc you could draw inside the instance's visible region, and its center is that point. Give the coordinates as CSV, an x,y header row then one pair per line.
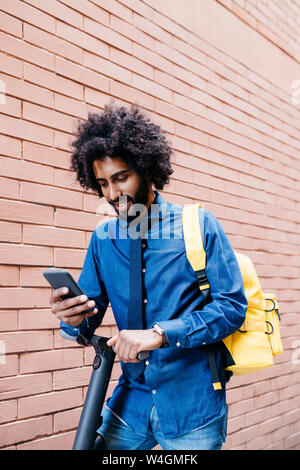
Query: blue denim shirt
x,y
177,379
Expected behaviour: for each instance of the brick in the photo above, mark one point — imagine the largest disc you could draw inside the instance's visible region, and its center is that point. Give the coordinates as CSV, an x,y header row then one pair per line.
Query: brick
x,y
82,39
10,167
25,255
257,416
50,360
68,258
108,35
8,318
130,62
25,130
10,25
27,91
8,411
48,117
51,81
62,441
66,179
52,44
75,219
66,420
59,11
53,236
49,402
51,156
106,67
25,385
28,14
31,297
152,58
189,105
152,29
62,343
10,65
88,9
192,190
190,78
129,94
10,232
116,8
25,430
131,33
26,341
96,98
12,107
171,82
70,106
10,146
50,195
33,277
9,188
235,424
270,425
25,51
10,366
81,75
71,378
241,407
189,133
37,319
25,212
151,88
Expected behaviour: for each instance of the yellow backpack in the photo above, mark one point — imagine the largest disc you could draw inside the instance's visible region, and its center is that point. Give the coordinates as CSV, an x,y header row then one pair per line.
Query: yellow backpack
x,y
252,347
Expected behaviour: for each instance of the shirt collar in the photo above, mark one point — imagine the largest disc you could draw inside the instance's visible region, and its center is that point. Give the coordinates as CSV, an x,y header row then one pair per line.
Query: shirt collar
x,y
156,212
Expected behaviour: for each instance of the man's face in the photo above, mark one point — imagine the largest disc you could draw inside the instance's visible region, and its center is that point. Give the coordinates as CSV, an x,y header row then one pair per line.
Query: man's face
x,y
121,186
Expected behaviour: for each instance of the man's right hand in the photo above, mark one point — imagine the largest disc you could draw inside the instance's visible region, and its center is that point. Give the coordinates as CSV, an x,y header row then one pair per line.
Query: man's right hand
x,y
70,310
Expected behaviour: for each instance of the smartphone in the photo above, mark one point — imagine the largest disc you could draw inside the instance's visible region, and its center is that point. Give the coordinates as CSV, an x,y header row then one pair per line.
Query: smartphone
x,y
61,278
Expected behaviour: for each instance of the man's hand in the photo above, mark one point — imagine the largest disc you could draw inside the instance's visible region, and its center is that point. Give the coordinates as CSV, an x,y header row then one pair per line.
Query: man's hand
x,y
70,310
128,343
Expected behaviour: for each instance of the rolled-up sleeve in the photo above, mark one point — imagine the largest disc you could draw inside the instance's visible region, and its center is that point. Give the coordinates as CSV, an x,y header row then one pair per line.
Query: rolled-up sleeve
x,y
227,309
91,283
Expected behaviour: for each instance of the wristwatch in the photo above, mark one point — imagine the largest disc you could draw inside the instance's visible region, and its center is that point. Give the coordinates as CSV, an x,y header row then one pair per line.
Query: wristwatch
x,y
158,329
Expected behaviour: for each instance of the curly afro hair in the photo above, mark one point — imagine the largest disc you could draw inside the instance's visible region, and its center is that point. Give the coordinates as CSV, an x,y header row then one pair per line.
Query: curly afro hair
x,y
125,133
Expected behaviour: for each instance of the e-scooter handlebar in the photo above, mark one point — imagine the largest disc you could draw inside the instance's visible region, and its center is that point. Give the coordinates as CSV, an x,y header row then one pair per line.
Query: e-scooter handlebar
x,y
100,342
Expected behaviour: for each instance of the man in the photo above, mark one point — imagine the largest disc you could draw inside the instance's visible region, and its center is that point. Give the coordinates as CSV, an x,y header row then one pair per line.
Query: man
x,y
167,399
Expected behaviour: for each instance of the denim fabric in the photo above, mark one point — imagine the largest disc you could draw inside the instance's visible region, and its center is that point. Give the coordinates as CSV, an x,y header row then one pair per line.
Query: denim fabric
x,y
118,435
176,379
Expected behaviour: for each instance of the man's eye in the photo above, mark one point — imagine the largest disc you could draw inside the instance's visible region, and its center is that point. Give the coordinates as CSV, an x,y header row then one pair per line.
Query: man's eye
x,y
122,178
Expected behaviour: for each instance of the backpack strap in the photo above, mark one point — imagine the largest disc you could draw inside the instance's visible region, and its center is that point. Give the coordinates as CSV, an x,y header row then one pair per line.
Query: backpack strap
x,y
196,255
193,244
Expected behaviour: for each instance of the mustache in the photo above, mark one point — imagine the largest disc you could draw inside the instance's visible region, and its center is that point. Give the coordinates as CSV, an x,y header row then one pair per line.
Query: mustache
x,y
121,199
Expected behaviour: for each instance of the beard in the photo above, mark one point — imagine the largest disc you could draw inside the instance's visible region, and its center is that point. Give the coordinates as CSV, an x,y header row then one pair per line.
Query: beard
x,y
140,197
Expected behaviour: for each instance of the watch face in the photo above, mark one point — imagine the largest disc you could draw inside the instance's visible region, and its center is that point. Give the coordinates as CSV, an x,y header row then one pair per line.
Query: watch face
x,y
158,329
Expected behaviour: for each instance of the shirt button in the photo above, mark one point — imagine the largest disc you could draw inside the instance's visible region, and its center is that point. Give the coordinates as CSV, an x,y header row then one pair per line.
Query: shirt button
x,y
154,392
144,270
143,245
203,343
147,363
145,301
178,343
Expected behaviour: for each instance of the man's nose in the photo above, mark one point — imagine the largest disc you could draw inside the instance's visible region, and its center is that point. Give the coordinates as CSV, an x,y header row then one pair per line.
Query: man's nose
x,y
114,193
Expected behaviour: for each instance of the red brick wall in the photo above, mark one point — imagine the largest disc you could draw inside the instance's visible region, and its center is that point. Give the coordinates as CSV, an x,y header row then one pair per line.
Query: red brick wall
x,y
218,77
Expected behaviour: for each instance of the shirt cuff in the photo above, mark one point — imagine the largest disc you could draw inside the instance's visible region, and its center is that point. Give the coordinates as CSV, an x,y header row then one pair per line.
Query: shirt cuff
x,y
175,331
75,331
